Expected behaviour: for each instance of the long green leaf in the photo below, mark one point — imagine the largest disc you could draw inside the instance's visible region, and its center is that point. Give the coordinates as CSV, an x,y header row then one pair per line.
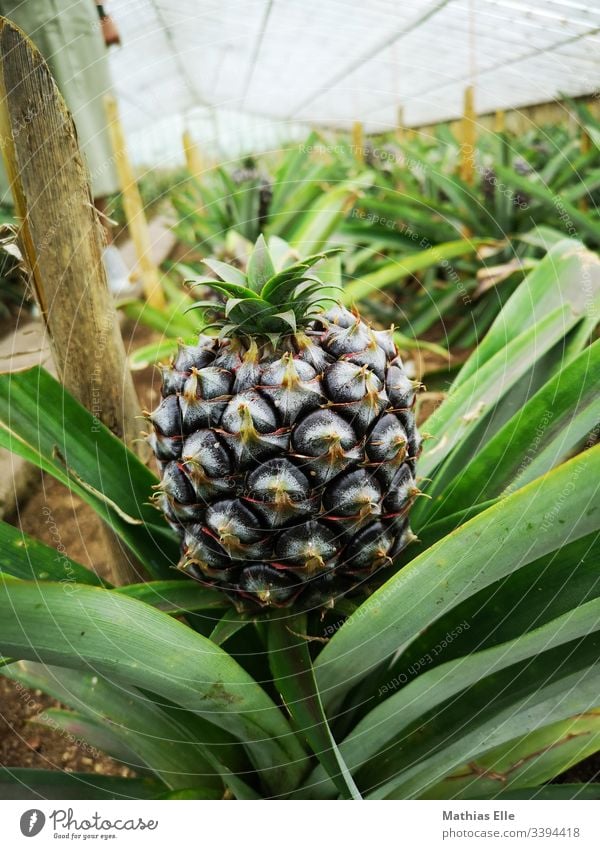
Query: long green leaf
x,y
176,597
198,793
85,732
444,683
172,323
527,761
321,219
569,275
533,521
434,530
537,438
405,342
24,557
467,404
305,190
64,439
20,783
156,739
227,626
160,655
543,590
156,352
523,699
555,791
398,269
557,205
294,677
294,163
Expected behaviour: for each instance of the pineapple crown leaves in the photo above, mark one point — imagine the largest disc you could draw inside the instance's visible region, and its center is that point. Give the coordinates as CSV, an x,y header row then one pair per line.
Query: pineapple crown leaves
x,y
266,300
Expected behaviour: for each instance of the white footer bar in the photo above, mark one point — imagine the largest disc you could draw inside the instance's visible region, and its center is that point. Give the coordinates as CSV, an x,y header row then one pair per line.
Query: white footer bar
x,y
298,825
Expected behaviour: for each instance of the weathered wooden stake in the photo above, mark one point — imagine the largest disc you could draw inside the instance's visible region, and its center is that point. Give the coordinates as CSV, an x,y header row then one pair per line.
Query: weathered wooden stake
x,y
358,141
134,208
61,238
468,137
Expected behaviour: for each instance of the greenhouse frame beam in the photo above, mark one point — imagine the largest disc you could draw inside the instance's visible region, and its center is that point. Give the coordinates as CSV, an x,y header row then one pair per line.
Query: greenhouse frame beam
x,y
366,57
258,44
179,64
464,78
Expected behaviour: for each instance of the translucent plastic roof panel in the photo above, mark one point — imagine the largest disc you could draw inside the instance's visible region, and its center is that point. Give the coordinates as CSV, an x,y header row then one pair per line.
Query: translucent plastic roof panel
x,y
333,62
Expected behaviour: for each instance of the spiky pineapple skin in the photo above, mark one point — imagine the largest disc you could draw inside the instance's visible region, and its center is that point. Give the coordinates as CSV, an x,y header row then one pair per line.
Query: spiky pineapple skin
x,y
288,472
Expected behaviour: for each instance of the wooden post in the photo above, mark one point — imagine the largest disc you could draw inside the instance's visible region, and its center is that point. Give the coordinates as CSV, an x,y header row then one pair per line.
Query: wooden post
x,y
193,160
499,121
61,239
358,141
468,138
134,209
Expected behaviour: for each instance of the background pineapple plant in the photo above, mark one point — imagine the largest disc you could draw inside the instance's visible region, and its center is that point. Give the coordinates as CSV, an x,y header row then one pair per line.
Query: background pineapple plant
x,y
378,208
287,445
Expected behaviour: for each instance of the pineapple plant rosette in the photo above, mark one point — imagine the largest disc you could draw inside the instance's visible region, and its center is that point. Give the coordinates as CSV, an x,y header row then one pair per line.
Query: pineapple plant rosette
x,y
288,444
472,672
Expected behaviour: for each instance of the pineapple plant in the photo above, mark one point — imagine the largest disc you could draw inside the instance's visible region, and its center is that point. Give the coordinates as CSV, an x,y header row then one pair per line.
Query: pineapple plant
x,y
287,444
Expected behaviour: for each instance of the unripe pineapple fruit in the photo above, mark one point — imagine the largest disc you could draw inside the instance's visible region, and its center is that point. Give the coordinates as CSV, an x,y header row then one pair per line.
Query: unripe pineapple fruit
x,y
287,444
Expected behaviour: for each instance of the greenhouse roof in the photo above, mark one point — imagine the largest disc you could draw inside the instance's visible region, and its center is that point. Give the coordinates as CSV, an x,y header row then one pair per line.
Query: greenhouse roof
x,y
333,62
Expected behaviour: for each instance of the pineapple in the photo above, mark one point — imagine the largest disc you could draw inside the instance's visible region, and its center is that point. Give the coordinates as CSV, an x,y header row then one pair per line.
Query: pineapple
x,y
287,444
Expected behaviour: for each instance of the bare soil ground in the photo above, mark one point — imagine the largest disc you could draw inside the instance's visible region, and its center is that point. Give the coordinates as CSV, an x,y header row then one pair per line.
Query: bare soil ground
x,y
25,744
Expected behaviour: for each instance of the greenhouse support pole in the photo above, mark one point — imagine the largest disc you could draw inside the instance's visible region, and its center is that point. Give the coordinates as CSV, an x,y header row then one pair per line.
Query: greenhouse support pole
x,y
358,141
400,123
134,208
467,137
61,238
193,160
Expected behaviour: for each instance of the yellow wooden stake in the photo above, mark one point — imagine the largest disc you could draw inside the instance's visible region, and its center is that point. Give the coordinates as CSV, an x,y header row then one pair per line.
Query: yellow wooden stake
x,y
193,159
585,145
358,141
400,123
134,209
499,121
468,137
